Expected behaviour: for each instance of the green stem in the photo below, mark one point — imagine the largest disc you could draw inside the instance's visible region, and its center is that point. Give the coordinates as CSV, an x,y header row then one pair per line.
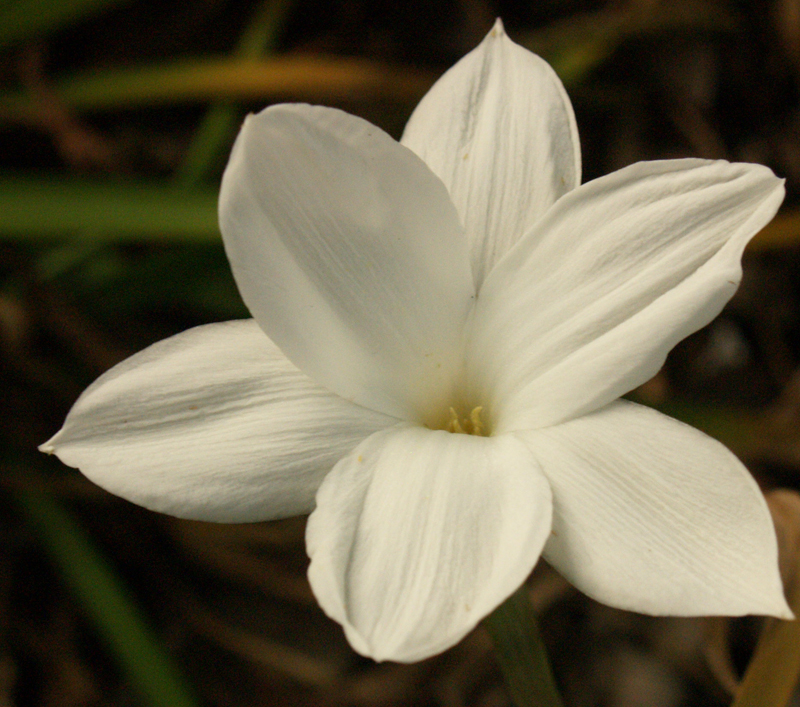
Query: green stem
x,y
521,653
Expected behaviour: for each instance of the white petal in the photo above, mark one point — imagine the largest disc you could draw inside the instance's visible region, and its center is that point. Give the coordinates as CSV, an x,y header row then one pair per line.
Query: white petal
x,y
499,130
652,515
212,424
588,304
348,252
419,534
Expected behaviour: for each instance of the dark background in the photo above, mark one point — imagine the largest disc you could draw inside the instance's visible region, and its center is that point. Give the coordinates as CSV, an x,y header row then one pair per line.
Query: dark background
x,y
86,279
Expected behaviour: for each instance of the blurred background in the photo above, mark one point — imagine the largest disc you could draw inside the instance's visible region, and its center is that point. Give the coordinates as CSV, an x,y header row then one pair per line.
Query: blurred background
x,y
116,117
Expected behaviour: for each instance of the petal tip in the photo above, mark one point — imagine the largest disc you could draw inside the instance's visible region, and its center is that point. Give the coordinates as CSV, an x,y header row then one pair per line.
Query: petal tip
x,y
781,609
49,446
498,29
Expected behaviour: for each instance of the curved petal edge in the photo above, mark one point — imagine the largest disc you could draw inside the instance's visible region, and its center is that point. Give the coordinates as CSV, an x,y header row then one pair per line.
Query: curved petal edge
x,y
499,130
651,515
588,304
211,424
419,534
348,251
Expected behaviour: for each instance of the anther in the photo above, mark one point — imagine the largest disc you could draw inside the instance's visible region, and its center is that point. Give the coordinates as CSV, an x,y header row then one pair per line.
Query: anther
x,y
472,425
477,423
454,425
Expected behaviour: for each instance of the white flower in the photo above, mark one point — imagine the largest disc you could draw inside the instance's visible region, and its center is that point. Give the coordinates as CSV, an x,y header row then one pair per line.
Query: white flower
x,y
459,280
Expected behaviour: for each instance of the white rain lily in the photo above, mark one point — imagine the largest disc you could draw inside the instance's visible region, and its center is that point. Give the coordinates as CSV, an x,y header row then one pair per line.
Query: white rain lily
x,y
443,328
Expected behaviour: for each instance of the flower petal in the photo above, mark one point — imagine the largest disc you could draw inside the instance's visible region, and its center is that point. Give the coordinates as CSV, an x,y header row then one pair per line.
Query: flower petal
x,y
348,252
212,424
651,515
419,534
588,304
499,130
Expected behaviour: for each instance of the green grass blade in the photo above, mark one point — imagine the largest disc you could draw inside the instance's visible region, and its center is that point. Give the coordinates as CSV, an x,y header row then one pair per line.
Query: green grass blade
x,y
216,129
521,653
23,19
261,35
111,211
106,600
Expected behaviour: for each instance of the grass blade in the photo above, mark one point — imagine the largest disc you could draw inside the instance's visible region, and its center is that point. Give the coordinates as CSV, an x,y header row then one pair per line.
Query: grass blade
x,y
521,653
308,77
115,615
113,211
214,133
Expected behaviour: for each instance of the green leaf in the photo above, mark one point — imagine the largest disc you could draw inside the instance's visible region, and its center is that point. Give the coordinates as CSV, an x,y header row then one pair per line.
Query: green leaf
x,y
112,211
217,127
521,653
108,603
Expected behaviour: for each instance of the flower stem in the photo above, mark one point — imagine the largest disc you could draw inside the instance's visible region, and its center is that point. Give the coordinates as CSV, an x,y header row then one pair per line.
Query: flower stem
x,y
521,653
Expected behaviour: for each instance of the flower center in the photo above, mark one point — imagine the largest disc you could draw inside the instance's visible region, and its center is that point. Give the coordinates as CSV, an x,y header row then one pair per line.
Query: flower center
x,y
472,425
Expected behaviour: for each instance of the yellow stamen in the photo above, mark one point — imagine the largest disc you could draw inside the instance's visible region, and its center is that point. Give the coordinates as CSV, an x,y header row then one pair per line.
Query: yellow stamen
x,y
453,425
472,425
477,423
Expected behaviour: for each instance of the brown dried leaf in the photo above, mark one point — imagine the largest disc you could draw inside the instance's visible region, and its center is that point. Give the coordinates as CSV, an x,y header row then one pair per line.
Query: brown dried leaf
x,y
772,675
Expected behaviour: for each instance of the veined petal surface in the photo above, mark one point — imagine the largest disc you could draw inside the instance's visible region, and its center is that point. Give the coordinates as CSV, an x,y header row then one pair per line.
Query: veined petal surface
x,y
651,515
348,251
212,424
499,130
588,304
419,534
